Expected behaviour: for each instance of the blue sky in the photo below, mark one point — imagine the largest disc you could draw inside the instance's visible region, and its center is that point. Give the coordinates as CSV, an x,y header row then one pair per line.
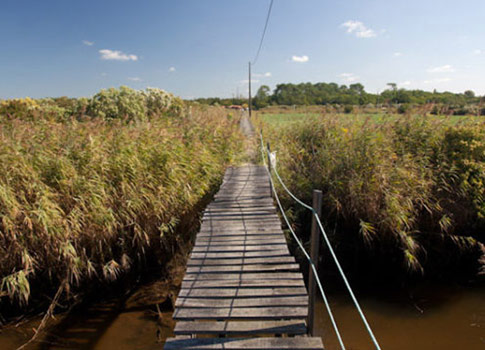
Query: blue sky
x,y
200,48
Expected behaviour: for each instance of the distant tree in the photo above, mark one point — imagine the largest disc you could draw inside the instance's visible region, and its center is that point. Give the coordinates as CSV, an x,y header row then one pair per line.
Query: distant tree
x,y
262,96
357,88
469,94
392,86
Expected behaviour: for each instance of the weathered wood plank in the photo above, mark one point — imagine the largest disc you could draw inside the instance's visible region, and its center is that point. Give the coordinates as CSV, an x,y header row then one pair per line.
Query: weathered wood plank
x,y
244,344
259,313
261,239
243,284
235,328
239,242
240,248
239,233
230,255
242,276
221,293
233,262
247,268
241,302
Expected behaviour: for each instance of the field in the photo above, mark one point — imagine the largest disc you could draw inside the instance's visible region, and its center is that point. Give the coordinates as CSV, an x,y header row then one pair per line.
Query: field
x,y
403,194
92,189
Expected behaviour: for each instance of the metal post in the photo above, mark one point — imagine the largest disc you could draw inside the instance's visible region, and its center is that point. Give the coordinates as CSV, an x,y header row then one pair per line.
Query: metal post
x,y
249,99
268,149
314,252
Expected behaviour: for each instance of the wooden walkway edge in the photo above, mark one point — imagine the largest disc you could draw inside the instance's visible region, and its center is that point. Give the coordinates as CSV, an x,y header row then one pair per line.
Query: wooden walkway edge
x,y
242,288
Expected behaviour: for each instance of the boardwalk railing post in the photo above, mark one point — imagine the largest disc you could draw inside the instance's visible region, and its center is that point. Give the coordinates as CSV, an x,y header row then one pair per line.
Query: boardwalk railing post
x,y
269,168
314,252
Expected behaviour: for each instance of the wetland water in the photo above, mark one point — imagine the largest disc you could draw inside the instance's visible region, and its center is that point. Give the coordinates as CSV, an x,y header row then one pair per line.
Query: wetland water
x,y
432,317
435,317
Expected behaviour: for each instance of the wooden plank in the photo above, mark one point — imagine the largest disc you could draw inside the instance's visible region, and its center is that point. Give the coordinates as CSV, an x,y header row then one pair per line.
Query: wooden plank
x,y
240,233
240,248
242,276
246,226
231,262
293,327
221,293
259,313
247,268
241,302
231,255
243,284
244,344
231,239
238,241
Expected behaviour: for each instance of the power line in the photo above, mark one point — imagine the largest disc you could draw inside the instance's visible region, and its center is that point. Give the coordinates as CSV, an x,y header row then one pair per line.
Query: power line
x,y
264,32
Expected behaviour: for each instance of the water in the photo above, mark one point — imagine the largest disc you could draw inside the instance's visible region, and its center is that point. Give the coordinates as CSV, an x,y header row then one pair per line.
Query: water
x,y
432,317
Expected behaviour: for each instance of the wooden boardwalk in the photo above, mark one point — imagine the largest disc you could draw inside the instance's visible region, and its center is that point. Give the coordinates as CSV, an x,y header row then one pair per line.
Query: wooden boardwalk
x,y
242,288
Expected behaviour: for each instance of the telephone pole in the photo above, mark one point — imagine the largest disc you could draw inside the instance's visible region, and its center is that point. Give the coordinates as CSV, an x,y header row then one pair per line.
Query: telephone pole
x,y
249,99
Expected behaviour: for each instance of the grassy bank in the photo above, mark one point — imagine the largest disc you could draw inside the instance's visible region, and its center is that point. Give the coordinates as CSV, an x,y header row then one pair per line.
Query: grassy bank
x,y
89,197
403,194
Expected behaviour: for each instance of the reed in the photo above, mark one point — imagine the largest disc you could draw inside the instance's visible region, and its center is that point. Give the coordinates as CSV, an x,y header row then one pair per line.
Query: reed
x,y
410,188
89,198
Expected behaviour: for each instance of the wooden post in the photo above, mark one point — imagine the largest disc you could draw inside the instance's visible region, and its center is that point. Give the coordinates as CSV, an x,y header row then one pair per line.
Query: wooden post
x,y
268,148
249,99
314,252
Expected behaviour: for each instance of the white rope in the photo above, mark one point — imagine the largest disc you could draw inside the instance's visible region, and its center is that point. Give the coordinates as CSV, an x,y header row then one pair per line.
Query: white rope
x,y
334,256
295,237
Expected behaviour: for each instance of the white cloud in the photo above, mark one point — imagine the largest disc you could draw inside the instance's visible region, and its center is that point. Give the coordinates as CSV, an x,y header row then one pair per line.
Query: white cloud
x,y
116,55
359,29
437,81
397,54
349,77
172,69
88,43
300,59
477,52
405,83
447,68
262,75
134,79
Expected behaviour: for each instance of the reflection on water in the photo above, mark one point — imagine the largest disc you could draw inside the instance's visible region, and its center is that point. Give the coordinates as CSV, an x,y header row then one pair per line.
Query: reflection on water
x,y
435,318
102,326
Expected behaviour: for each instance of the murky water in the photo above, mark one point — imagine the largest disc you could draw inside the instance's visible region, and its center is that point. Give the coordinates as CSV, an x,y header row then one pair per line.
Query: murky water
x,y
427,318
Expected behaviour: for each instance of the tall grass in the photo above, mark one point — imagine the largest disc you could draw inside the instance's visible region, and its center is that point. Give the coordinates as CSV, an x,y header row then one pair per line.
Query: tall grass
x,y
410,191
89,199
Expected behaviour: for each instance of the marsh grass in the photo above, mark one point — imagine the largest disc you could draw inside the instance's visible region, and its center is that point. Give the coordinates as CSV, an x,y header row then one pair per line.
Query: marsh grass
x,y
89,200
410,188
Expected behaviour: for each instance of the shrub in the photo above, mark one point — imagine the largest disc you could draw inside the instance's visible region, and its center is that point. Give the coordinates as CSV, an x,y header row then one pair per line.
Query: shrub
x,y
403,108
122,103
348,109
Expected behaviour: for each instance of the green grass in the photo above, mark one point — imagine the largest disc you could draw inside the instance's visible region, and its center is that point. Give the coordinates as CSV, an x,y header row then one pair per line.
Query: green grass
x,y
283,119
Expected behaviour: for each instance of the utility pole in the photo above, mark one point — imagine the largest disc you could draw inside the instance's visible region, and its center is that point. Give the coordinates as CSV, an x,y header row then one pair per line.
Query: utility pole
x,y
249,100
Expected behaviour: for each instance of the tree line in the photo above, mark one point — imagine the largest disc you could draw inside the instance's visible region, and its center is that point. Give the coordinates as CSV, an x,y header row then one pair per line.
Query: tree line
x,y
352,95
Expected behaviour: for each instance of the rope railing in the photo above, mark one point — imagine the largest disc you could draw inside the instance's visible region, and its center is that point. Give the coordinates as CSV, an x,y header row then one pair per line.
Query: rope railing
x,y
302,248
330,248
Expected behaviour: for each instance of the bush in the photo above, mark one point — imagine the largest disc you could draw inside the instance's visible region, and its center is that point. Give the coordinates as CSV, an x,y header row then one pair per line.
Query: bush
x,y
122,103
348,109
403,108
